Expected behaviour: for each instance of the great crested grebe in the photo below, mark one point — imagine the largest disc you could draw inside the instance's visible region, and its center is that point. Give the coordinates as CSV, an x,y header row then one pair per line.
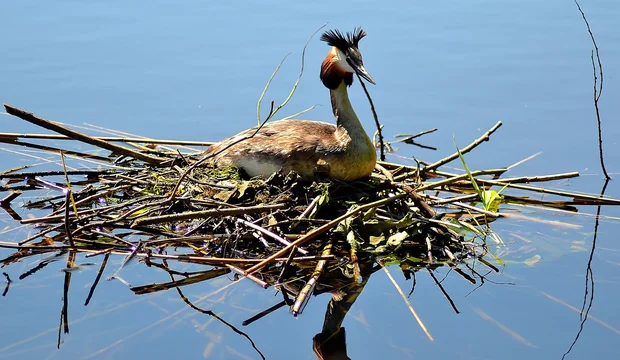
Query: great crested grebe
x,y
343,150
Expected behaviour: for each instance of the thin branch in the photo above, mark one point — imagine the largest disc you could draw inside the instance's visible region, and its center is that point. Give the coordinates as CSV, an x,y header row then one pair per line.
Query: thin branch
x,y
239,271
308,288
598,88
299,113
8,283
39,121
374,115
55,150
262,95
13,137
99,273
445,293
206,213
264,313
589,286
270,234
451,180
402,294
212,314
64,312
6,202
272,112
67,219
465,150
592,199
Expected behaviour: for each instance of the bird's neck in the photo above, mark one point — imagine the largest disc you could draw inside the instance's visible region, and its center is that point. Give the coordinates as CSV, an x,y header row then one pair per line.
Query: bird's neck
x,y
346,119
351,135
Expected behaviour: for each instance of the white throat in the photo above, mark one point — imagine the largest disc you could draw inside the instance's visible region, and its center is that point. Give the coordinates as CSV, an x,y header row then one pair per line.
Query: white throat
x,y
341,60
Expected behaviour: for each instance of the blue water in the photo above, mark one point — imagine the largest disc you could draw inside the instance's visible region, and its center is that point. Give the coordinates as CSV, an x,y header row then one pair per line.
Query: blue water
x,y
194,70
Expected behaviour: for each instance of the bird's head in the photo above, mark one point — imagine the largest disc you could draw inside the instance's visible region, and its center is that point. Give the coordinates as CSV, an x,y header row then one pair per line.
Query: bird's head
x,y
344,58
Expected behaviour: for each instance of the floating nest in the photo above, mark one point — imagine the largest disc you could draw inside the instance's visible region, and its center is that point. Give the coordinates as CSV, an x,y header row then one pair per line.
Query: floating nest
x,y
154,201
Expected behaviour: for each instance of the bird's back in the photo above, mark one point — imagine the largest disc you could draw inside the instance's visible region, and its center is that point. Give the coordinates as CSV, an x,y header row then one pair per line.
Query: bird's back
x,y
298,145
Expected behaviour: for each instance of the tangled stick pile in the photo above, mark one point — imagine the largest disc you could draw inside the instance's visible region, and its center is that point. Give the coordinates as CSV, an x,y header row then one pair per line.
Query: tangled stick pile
x,y
158,204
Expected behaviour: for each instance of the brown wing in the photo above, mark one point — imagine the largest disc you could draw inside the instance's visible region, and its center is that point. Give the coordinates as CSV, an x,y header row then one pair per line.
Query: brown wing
x,y
284,140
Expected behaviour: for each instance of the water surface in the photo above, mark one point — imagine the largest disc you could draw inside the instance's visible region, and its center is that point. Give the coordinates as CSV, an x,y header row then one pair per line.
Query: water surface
x,y
194,70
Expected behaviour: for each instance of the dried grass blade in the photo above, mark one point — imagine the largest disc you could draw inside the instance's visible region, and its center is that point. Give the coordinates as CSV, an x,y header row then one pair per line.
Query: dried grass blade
x,y
402,294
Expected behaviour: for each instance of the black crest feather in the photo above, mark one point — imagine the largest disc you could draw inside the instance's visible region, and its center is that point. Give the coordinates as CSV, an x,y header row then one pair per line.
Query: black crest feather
x,y
341,41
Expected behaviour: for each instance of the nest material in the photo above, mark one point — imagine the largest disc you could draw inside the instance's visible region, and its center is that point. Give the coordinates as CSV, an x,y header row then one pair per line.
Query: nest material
x,y
158,204
227,220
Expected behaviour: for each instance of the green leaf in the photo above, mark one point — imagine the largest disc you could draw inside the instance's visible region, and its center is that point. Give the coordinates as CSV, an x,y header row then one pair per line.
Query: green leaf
x,y
322,201
369,214
380,249
352,239
497,258
470,227
471,177
376,240
397,238
376,227
243,186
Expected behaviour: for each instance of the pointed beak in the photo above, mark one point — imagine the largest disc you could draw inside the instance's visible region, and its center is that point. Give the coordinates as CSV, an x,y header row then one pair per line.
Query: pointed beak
x,y
361,71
